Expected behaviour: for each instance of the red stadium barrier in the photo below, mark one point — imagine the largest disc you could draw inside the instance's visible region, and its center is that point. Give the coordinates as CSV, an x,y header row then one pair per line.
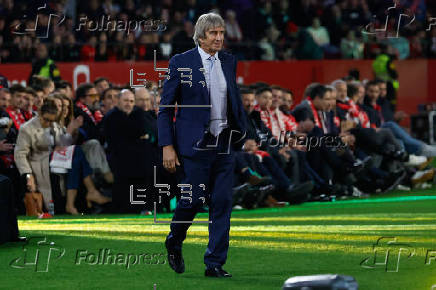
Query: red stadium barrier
x,y
416,85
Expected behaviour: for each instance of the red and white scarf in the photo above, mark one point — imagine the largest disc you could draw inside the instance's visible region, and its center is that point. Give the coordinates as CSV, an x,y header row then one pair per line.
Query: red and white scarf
x,y
277,122
355,113
318,122
16,116
96,117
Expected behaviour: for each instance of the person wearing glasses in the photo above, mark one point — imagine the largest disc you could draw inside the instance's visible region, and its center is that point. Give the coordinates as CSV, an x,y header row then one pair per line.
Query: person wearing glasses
x,y
36,140
87,99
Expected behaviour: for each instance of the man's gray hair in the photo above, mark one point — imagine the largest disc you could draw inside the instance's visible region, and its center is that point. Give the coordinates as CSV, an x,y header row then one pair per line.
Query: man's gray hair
x,y
206,22
338,82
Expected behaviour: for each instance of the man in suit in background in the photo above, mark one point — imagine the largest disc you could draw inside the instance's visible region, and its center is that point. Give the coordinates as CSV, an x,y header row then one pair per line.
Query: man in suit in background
x,y
199,139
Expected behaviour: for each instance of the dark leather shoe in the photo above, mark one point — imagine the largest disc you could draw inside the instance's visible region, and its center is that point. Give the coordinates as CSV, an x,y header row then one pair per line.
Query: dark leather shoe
x,y
175,258
19,239
216,272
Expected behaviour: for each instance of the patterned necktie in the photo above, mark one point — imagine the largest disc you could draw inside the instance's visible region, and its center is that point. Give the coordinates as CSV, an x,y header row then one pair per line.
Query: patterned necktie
x,y
215,117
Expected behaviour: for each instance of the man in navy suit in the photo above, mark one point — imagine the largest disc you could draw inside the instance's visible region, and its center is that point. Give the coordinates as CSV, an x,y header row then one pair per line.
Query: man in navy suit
x,y
202,81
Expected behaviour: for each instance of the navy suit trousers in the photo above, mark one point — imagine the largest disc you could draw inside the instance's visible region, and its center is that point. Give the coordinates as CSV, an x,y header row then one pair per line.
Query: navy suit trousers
x,y
209,177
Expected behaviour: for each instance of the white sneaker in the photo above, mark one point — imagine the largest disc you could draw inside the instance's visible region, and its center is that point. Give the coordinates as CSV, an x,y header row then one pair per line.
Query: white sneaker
x,y
415,160
358,193
403,188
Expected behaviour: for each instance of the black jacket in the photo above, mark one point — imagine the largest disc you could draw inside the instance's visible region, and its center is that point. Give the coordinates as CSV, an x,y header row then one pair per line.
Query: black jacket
x,y
131,155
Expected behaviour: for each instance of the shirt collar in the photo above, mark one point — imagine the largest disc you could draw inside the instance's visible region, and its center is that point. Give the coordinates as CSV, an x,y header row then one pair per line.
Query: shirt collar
x,y
204,55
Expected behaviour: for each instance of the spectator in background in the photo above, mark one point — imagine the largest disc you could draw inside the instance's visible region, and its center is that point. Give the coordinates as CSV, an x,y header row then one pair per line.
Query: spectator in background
x,y
46,84
307,47
35,142
101,84
321,37
143,99
233,31
102,53
274,119
356,13
43,65
39,97
182,40
14,110
286,102
65,88
351,48
129,145
71,48
165,46
87,53
27,106
401,46
87,98
5,97
108,99
89,133
319,33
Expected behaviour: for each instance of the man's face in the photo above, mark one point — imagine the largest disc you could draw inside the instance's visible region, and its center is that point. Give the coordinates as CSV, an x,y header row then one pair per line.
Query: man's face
x,y
383,89
27,103
50,89
38,99
4,100
109,100
330,101
373,92
126,101
251,146
41,52
17,99
341,90
213,41
264,100
319,103
248,102
287,101
91,97
143,100
67,92
276,98
101,86
361,94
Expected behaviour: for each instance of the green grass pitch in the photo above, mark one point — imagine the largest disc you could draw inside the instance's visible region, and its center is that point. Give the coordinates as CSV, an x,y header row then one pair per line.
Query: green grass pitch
x,y
267,246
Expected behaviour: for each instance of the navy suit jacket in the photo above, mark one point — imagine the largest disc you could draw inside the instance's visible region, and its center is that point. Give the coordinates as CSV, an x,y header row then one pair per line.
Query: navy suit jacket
x,y
192,123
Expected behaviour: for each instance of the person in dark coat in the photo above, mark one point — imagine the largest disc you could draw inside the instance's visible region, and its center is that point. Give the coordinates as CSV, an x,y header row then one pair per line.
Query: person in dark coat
x,y
131,154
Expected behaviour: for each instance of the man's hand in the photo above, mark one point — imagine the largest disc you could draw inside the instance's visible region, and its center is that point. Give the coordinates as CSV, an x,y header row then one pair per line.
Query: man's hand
x,y
305,126
284,152
170,159
6,146
31,185
60,148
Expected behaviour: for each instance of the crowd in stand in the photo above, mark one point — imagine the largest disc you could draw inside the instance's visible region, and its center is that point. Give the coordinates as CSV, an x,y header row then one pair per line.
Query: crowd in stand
x,y
102,30
95,149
